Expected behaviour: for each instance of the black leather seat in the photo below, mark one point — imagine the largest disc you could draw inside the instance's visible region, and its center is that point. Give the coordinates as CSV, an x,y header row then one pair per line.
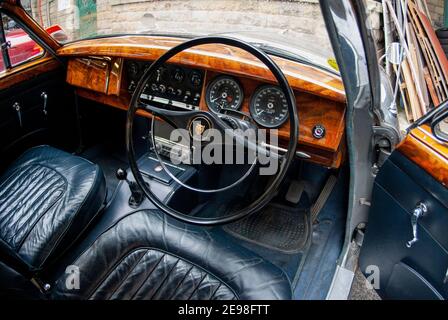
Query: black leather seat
x,y
47,198
147,255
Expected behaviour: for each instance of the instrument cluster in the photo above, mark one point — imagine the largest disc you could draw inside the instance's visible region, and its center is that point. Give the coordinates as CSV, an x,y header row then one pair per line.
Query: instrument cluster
x,y
268,105
175,86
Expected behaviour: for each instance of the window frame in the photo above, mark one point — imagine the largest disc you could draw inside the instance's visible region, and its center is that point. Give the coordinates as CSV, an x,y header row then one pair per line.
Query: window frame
x,y
5,47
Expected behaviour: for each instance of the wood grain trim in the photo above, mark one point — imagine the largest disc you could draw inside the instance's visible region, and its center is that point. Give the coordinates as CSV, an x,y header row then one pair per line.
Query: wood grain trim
x,y
115,76
318,155
421,147
100,75
89,73
27,71
121,102
219,58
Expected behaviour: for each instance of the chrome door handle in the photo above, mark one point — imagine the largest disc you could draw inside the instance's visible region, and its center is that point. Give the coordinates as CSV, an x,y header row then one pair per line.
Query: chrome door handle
x,y
18,109
420,210
44,96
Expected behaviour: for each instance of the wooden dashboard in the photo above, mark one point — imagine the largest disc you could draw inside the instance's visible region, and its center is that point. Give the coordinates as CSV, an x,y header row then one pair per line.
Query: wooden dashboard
x,y
96,68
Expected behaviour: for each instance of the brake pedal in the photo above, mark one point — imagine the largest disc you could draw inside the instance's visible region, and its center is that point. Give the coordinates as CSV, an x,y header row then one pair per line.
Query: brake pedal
x,y
295,191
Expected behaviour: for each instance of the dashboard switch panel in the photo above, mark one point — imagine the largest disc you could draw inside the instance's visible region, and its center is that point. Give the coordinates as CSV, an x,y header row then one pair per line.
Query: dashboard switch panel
x,y
171,85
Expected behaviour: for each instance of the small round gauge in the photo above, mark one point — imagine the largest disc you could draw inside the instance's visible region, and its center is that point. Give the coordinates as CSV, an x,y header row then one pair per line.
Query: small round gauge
x,y
269,107
224,92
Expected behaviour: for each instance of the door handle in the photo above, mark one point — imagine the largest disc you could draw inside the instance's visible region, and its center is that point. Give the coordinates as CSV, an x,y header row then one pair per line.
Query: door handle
x,y
419,211
44,96
18,109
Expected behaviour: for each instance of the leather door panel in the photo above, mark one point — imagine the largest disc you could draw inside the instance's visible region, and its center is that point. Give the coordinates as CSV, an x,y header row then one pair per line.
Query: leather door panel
x,y
419,271
30,125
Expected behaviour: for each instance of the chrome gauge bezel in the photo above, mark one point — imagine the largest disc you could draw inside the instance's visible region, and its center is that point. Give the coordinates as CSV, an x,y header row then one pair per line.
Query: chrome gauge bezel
x,y
214,82
253,99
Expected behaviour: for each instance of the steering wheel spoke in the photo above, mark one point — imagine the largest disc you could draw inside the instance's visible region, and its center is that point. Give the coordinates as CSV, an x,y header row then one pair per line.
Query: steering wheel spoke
x,y
179,119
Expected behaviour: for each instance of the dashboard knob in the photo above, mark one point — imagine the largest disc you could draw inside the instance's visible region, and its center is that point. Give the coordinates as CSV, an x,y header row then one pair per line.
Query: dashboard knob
x,y
162,88
318,131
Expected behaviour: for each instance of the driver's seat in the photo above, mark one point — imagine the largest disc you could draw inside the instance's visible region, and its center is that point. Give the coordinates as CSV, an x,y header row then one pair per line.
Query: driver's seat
x,y
148,255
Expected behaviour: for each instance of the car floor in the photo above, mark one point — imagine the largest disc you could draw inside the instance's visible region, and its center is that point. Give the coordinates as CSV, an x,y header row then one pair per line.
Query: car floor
x,y
327,238
280,240
311,269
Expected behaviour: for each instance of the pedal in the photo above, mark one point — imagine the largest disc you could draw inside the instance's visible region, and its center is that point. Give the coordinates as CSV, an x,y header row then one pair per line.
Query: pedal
x,y
295,191
323,197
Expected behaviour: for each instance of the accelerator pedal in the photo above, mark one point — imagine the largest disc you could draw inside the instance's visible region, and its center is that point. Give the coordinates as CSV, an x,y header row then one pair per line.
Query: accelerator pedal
x,y
323,197
295,191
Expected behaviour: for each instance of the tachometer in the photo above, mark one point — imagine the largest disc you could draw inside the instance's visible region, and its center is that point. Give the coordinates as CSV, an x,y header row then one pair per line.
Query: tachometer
x,y
224,92
269,107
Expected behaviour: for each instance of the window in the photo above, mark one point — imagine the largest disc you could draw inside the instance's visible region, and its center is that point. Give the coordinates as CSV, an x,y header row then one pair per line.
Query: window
x,y
17,46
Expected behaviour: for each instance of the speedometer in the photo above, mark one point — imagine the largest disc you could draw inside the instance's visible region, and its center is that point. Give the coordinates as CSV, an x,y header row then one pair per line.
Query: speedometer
x,y
269,107
224,92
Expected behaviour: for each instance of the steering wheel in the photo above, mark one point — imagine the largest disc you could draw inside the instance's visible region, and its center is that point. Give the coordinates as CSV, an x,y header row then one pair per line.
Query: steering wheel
x,y
184,120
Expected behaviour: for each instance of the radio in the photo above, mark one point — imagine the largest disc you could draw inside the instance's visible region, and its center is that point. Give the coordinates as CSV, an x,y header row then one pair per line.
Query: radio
x,y
176,152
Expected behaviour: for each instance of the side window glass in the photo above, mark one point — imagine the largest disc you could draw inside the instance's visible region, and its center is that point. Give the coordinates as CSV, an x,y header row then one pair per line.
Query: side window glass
x,y
18,44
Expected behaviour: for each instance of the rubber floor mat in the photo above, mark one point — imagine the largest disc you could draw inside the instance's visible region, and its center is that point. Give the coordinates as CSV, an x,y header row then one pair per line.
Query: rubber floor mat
x,y
276,227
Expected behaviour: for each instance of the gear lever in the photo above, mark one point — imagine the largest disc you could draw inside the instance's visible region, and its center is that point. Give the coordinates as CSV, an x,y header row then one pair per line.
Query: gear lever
x,y
136,198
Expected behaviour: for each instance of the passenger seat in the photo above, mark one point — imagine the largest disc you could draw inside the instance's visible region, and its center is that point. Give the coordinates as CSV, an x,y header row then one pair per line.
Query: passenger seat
x,y
47,198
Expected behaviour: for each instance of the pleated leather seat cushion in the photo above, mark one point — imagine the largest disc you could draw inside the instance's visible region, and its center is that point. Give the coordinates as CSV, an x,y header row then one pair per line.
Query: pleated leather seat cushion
x,y
47,197
148,255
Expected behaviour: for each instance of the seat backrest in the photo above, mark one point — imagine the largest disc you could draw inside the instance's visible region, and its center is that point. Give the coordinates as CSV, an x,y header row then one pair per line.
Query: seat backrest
x,y
147,255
